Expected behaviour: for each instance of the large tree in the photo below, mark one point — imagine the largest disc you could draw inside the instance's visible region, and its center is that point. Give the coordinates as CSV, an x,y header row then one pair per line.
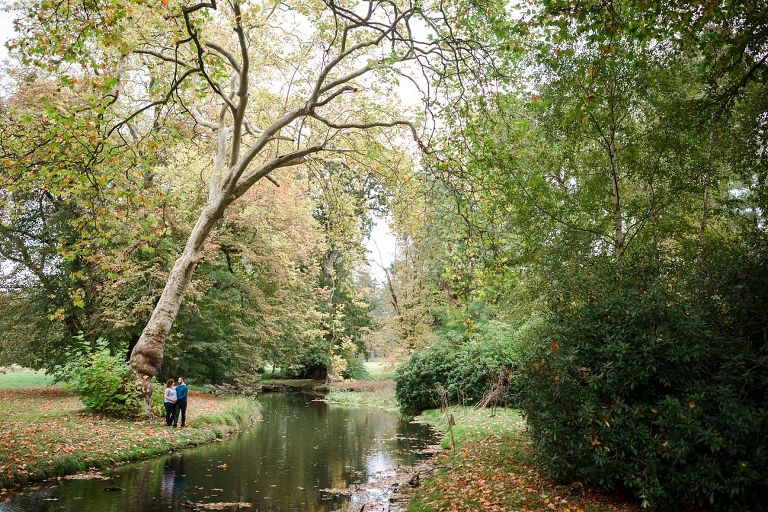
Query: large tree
x,y
268,85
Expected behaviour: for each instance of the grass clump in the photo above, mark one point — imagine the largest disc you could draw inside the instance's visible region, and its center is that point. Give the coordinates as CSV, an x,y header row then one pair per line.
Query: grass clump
x,y
377,398
239,413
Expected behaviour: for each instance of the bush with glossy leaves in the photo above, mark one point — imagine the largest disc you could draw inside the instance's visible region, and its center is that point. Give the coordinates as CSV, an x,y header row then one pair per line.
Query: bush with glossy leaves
x,y
467,368
653,379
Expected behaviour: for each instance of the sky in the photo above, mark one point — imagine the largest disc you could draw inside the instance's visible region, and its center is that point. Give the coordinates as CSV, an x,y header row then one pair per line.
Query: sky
x,y
381,245
6,29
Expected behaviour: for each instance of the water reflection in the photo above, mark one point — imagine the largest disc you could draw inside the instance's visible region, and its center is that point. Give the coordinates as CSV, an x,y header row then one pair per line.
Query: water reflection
x,y
283,463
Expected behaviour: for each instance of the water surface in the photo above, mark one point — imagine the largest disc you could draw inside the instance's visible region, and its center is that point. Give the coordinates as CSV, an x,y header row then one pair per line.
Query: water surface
x,y
286,462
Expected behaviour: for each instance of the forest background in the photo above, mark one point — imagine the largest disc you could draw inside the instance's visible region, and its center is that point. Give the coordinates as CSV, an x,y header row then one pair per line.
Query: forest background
x,y
584,208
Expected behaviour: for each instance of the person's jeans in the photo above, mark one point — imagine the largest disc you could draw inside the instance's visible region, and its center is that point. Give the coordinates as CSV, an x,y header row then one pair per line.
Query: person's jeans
x,y
170,409
181,407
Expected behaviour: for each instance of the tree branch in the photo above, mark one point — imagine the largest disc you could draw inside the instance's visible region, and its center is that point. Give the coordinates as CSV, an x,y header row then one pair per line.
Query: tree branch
x,y
286,160
373,124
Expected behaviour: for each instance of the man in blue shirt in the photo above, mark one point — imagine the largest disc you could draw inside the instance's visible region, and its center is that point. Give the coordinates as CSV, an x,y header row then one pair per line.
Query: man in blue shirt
x,y
181,403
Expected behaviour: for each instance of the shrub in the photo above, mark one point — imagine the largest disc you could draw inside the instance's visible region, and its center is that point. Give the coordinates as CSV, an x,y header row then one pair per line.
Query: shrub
x,y
632,385
418,377
104,383
356,368
465,367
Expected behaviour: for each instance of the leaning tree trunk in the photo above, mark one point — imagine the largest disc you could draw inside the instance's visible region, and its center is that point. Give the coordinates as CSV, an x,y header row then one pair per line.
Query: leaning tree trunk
x,y
237,167
147,354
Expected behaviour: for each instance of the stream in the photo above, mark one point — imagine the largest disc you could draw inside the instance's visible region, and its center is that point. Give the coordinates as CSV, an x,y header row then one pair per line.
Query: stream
x,y
296,458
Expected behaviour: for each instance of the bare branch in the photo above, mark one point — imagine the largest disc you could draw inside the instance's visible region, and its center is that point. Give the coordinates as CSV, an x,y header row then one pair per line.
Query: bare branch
x,y
199,119
239,113
200,52
286,160
373,124
266,136
202,5
168,96
162,56
344,79
333,96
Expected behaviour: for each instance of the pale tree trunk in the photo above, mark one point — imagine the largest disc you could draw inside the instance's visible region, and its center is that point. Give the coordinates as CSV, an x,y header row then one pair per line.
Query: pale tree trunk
x,y
147,354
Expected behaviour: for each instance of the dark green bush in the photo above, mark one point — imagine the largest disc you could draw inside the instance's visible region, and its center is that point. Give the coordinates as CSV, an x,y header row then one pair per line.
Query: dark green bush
x,y
466,368
652,384
104,383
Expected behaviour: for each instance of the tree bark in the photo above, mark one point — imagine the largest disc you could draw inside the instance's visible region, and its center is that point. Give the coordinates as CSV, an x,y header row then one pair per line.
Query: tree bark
x,y
147,354
618,220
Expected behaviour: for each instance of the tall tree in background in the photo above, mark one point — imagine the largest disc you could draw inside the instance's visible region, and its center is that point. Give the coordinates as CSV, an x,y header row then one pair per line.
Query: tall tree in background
x,y
79,224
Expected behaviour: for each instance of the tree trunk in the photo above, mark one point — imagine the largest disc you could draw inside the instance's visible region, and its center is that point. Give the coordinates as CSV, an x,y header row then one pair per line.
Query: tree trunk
x,y
618,221
704,215
147,354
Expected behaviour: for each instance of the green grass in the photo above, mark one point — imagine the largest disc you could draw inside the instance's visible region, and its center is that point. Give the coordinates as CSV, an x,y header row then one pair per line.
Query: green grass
x,y
240,413
378,399
379,370
472,423
23,378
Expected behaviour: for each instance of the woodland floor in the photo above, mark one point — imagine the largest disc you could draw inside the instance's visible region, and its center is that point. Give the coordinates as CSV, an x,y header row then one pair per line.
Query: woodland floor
x,y
45,432
491,469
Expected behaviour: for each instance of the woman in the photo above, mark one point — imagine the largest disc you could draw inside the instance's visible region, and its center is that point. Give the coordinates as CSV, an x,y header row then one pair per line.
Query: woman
x,y
169,400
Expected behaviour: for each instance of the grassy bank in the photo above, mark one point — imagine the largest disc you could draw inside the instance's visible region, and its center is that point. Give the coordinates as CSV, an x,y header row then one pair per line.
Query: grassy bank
x,y
17,378
383,398
45,432
379,370
491,469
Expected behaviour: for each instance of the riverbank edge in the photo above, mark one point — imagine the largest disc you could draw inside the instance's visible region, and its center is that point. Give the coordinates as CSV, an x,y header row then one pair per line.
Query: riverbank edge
x,y
300,386
383,400
241,413
415,498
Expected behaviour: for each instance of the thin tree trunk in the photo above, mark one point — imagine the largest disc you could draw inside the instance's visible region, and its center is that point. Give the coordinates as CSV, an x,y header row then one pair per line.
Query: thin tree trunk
x,y
705,202
704,214
147,354
616,192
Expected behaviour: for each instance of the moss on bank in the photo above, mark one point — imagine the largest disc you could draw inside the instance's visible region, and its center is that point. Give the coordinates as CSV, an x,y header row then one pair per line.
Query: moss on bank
x,y
44,433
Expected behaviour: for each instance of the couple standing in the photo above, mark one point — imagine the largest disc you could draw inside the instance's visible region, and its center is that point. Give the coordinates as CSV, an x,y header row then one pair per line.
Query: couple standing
x,y
175,401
